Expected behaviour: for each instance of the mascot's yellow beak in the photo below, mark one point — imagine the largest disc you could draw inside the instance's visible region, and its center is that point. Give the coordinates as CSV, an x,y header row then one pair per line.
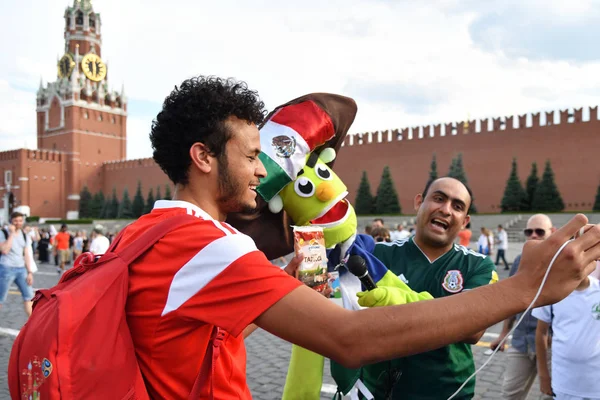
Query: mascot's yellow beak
x,y
325,192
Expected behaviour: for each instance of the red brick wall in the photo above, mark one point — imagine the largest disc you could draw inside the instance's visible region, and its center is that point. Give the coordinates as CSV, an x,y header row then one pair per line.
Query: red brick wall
x,y
41,186
126,174
573,149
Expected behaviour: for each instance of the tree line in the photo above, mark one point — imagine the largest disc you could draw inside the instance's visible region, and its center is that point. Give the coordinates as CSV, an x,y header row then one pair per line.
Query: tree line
x,y
537,195
386,201
102,207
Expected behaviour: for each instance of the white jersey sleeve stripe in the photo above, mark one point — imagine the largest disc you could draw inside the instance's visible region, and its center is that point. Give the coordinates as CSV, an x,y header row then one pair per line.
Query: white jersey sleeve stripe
x,y
204,267
221,227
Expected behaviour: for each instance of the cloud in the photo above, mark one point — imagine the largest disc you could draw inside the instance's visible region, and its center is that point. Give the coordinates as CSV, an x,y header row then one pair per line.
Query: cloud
x,y
406,63
414,99
550,30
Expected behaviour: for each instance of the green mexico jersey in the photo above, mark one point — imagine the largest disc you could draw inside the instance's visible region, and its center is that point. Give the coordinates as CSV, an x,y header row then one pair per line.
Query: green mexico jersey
x,y
439,373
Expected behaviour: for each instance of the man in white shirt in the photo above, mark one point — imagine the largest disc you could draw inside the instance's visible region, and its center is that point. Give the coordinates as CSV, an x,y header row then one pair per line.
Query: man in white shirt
x,y
502,246
100,242
575,344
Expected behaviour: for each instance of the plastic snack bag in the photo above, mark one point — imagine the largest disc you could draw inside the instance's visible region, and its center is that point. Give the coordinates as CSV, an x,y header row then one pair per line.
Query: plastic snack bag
x,y
309,241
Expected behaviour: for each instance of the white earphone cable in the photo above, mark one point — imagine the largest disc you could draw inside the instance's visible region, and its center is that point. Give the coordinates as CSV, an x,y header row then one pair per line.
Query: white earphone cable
x,y
519,321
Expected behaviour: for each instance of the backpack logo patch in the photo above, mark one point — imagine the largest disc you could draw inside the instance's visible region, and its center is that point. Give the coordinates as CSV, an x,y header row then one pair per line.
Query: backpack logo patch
x,y
453,282
35,374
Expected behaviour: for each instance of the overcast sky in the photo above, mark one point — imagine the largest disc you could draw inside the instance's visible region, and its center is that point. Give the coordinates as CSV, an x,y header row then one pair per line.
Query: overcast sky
x,y
406,63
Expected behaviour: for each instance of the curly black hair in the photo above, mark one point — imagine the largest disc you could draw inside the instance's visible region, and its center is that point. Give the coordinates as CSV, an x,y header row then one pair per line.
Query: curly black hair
x,y
196,111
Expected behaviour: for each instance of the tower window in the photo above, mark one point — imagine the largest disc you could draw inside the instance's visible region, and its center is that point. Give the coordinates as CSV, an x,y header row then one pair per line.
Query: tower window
x,y
85,115
79,18
100,117
92,21
53,146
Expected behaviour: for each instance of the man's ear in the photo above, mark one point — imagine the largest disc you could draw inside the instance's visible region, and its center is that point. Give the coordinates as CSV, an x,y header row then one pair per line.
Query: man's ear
x,y
418,201
466,221
201,157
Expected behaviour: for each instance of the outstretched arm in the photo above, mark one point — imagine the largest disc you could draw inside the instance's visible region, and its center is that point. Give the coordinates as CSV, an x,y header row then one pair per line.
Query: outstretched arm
x,y
356,338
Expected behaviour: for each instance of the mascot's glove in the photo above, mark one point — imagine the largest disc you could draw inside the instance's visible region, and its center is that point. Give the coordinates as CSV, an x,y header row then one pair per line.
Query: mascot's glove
x,y
390,290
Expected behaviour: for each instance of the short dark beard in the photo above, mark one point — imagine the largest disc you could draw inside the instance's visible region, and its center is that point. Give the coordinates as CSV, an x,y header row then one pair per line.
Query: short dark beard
x,y
228,190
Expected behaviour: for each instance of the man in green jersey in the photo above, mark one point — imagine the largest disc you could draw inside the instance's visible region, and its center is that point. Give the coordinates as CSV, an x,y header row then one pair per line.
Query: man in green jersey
x,y
430,261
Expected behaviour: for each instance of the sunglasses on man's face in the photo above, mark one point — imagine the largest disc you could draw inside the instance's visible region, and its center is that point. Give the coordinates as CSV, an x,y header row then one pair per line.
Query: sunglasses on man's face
x,y
380,239
539,232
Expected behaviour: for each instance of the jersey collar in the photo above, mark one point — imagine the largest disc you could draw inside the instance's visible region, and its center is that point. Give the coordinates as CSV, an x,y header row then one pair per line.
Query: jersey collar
x,y
412,239
192,209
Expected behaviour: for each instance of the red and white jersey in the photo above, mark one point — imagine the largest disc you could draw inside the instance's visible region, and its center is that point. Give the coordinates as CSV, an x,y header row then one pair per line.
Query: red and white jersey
x,y
203,274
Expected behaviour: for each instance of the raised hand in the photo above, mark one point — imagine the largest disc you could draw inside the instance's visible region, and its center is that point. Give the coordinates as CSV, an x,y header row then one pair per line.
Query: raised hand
x,y
575,262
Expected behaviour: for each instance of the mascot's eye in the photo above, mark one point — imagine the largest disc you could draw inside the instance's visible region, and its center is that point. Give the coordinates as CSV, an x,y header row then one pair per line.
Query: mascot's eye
x,y
304,187
323,172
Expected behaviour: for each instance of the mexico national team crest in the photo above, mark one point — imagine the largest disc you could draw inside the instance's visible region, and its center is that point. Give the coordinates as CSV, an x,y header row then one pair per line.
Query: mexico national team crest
x,y
284,146
453,282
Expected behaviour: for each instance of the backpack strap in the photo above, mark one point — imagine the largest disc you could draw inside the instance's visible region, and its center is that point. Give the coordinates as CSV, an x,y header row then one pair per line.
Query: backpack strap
x,y
142,243
207,370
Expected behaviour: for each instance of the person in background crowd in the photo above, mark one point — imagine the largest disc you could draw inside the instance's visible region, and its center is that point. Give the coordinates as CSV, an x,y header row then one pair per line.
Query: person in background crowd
x,y
377,223
401,233
381,235
483,244
502,246
34,235
100,243
78,244
575,339
464,236
15,261
63,246
521,368
44,247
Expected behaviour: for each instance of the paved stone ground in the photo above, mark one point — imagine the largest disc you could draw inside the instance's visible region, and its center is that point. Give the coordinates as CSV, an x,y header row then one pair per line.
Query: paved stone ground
x,y
268,356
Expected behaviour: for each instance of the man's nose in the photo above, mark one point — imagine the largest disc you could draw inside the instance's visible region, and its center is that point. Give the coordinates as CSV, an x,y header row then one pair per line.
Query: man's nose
x,y
261,171
446,207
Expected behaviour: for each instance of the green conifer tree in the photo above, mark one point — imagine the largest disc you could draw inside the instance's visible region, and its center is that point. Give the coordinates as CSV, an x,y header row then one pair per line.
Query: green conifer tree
x,y
158,195
387,198
138,205
168,193
514,198
125,207
364,199
532,183
547,197
149,202
85,203
433,174
98,204
457,171
112,209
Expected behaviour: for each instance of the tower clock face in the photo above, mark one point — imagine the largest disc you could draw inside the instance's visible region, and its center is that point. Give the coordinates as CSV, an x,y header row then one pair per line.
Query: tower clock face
x,y
93,67
65,66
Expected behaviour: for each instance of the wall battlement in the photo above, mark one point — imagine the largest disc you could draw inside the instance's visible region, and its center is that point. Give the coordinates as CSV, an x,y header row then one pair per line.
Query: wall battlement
x,y
44,155
126,164
511,123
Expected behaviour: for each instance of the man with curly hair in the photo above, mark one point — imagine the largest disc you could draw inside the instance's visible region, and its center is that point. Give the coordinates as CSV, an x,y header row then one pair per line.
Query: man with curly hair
x,y
206,273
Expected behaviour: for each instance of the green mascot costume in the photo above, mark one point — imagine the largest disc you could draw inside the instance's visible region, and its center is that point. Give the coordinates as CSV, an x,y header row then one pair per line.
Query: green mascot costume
x,y
299,141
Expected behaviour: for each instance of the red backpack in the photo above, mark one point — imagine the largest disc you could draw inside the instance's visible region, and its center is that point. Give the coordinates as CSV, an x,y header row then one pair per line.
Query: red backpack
x,y
77,345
